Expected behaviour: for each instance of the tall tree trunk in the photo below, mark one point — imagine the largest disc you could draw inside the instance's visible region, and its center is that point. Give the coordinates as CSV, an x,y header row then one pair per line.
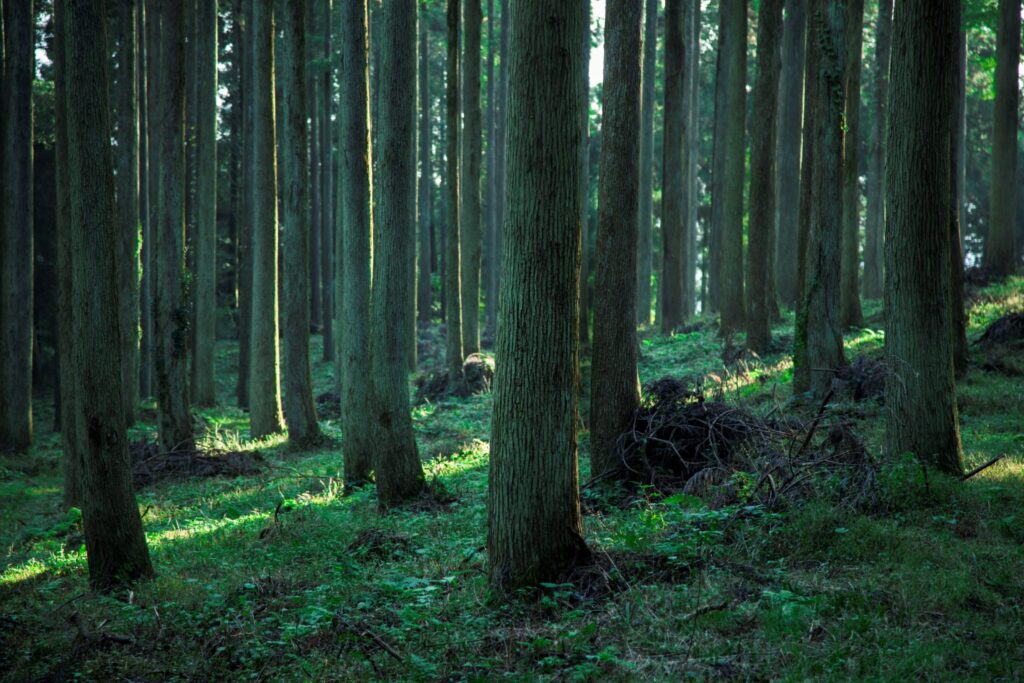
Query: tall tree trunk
x,y
730,111
615,384
452,278
114,540
584,185
204,386
958,312
424,287
354,247
147,203
397,464
245,40
534,523
850,314
490,263
126,133
314,34
762,173
330,240
16,229
1000,243
298,383
807,154
876,170
691,142
920,394
791,113
673,211
172,320
645,236
469,218
500,135
819,339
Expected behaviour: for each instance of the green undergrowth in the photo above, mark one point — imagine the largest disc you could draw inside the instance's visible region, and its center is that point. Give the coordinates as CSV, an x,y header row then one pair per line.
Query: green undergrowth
x,y
284,576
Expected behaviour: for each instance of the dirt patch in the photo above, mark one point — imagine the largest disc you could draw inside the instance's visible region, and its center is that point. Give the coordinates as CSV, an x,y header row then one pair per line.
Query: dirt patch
x,y
150,465
861,380
1006,331
478,370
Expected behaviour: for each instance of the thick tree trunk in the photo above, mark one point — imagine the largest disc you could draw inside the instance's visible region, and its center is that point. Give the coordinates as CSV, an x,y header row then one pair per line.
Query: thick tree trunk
x,y
876,170
807,154
762,173
791,113
126,132
424,288
584,186
171,317
1000,243
958,312
16,228
452,276
534,523
691,142
245,40
500,135
330,239
298,384
397,463
673,179
615,384
730,118
354,248
490,262
819,339
114,540
850,314
920,395
645,236
264,364
147,202
469,218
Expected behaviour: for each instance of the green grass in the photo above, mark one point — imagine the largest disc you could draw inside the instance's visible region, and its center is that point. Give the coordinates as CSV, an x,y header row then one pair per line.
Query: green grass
x,y
928,586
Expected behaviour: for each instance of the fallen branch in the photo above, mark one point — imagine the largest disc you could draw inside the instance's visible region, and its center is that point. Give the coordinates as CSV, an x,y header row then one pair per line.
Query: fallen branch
x,y
707,609
982,468
97,638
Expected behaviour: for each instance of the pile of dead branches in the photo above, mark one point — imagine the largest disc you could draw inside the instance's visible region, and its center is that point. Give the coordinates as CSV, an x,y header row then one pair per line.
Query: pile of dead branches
x,y
1006,331
151,465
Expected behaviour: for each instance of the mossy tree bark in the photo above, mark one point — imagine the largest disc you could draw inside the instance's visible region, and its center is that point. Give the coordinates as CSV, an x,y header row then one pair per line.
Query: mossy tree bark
x,y
172,320
1000,243
298,384
850,314
920,394
645,235
114,540
264,363
397,463
875,226
424,298
819,340
204,387
534,523
469,193
791,113
615,384
354,247
452,276
16,227
762,173
673,212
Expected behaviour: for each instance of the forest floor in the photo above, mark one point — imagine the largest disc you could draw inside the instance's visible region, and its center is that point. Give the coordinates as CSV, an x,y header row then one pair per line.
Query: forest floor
x,y
276,575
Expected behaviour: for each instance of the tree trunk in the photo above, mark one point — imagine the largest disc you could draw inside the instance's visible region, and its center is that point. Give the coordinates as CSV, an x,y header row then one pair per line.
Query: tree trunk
x,y
16,248
245,40
114,540
691,142
354,248
762,173
204,386
315,34
958,312
172,320
534,523
812,57
584,185
645,244
819,339
397,463
850,314
920,395
730,117
490,263
673,181
500,135
452,278
424,287
790,124
876,171
330,240
264,365
147,202
469,217
615,384
298,384
1000,243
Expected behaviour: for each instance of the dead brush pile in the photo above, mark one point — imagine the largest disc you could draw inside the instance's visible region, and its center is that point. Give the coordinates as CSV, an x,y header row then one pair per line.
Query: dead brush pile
x,y
151,465
680,442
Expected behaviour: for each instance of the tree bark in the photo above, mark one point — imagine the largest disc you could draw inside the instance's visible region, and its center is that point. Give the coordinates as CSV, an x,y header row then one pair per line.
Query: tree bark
x,y
147,202
920,395
16,249
876,172
673,181
452,277
424,289
645,236
314,36
791,115
958,312
762,173
354,247
330,240
500,135
691,142
534,523
615,384
583,195
812,57
1000,243
469,217
245,233
264,365
114,540
819,339
850,314
490,200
